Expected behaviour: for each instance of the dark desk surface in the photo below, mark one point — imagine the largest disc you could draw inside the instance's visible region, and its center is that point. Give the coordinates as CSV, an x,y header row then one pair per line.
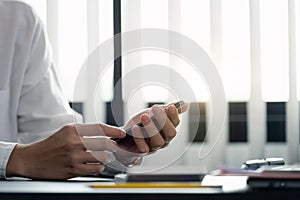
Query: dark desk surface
x,y
80,189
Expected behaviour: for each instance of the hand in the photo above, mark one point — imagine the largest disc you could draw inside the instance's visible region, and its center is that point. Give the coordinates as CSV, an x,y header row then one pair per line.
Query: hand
x,y
156,133
65,154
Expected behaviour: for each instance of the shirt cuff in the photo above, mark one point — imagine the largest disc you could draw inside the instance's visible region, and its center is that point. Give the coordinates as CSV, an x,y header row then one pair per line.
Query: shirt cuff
x,y
5,150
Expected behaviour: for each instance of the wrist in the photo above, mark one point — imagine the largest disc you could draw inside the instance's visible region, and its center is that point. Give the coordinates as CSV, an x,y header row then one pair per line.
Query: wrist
x,y
15,164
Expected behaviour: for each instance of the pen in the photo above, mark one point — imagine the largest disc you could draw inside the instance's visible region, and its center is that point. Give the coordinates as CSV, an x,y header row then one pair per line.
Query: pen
x,y
152,185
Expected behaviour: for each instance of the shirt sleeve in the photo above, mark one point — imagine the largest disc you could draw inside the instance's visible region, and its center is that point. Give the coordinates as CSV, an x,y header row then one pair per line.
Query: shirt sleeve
x,y
5,150
43,109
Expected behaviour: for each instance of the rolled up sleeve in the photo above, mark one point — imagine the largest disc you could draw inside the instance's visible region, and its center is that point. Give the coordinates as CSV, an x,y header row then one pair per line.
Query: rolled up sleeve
x,y
5,150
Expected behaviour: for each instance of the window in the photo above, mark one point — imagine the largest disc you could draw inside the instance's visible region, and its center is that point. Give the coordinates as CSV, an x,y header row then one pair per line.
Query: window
x,y
72,42
297,34
236,49
276,120
238,122
197,122
274,49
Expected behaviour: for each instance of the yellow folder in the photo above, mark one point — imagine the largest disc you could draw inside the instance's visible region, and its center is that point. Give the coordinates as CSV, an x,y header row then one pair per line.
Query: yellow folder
x,y
151,185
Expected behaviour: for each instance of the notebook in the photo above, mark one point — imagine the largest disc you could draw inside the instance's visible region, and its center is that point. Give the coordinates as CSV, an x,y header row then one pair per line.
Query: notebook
x,y
169,174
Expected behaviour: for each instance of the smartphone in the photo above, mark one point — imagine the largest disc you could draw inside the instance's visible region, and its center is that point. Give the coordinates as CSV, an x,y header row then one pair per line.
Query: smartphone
x,y
181,107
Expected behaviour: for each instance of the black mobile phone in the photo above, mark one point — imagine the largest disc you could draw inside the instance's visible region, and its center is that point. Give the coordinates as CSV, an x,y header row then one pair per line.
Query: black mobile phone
x,y
181,107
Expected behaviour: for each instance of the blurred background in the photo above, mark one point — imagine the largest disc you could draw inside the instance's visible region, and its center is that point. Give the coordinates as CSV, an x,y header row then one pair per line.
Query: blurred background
x,y
255,45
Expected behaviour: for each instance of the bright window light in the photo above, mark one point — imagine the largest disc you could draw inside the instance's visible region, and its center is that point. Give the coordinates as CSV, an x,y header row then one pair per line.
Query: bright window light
x,y
153,92
106,32
195,22
297,18
236,49
274,50
194,80
154,14
72,42
106,84
106,20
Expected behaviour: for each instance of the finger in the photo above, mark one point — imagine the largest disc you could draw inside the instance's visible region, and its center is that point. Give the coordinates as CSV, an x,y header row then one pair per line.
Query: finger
x,y
99,144
149,126
172,113
100,130
169,130
155,141
168,133
141,145
159,117
135,119
87,169
184,108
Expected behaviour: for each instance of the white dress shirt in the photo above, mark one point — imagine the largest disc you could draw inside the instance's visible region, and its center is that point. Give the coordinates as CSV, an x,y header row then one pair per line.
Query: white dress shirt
x,y
32,105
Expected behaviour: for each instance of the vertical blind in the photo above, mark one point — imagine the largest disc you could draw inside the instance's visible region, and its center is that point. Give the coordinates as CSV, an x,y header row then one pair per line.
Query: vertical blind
x,y
195,19
254,43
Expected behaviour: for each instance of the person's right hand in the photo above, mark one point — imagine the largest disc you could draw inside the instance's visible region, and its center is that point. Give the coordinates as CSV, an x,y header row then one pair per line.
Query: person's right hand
x,y
67,153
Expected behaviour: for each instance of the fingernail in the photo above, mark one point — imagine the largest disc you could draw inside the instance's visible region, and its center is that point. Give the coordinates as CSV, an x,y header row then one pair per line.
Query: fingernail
x,y
122,132
146,119
156,109
144,150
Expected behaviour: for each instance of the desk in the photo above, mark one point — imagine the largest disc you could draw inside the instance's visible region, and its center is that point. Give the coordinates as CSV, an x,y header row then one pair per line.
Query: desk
x,y
44,190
